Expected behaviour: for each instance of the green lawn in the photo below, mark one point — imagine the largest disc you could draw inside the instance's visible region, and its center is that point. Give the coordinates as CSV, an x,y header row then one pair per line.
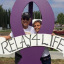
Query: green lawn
x,y
51,49
8,30
7,60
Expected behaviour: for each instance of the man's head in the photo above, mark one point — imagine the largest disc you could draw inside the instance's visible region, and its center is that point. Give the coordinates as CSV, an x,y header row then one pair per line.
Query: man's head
x,y
26,19
37,24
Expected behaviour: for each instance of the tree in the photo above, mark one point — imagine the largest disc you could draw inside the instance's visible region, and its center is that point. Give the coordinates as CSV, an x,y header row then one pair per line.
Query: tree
x,y
36,15
9,13
60,19
1,15
4,17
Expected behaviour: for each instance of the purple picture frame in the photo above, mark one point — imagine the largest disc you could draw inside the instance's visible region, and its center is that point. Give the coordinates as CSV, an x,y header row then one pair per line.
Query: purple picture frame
x,y
32,55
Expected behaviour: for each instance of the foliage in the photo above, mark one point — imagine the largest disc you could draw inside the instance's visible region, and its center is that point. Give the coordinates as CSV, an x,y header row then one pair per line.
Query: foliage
x,y
4,17
37,15
60,18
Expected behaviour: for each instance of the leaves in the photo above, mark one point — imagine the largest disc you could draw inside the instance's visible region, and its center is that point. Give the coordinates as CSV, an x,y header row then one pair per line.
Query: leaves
x,y
4,17
60,18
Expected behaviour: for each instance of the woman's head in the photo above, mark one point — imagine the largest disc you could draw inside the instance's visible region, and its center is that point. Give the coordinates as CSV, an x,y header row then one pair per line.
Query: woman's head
x,y
37,24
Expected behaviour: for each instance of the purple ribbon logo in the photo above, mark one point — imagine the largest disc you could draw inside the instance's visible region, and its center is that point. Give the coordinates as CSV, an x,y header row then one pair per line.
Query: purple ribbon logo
x,y
32,55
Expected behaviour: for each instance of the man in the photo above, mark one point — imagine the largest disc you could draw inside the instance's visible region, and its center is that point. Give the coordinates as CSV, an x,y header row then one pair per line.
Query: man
x,y
26,19
45,59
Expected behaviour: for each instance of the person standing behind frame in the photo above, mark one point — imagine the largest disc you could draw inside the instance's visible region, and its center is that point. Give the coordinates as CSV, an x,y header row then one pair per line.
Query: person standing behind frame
x,y
26,19
45,59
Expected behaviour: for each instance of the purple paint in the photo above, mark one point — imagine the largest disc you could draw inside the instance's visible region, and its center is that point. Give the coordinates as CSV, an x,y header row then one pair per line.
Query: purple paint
x,y
32,55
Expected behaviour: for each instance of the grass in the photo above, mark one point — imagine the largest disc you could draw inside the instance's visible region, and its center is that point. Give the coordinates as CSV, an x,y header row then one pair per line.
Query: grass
x,y
5,32
12,61
7,60
58,61
51,49
8,30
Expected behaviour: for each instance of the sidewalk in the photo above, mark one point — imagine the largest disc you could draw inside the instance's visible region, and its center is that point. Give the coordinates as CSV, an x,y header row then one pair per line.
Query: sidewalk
x,y
54,55
8,56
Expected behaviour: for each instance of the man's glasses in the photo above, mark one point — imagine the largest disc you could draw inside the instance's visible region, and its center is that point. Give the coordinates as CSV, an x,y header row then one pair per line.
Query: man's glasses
x,y
25,19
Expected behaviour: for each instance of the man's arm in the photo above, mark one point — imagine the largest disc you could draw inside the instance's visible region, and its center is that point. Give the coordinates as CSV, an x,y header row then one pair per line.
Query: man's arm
x,y
6,37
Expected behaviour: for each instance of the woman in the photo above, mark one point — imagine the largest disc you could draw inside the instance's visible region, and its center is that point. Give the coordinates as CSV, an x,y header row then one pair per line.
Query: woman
x,y
45,59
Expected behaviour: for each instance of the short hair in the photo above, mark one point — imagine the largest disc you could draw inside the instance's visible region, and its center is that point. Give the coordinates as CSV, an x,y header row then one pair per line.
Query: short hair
x,y
36,22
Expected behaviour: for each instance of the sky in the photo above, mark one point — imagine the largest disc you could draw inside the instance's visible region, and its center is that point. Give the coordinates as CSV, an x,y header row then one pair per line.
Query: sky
x,y
57,6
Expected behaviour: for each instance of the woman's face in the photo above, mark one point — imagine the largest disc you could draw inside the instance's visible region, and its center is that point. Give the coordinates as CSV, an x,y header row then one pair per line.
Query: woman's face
x,y
37,26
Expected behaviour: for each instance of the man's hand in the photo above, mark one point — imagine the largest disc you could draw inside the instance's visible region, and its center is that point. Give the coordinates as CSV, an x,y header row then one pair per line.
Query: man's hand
x,y
6,37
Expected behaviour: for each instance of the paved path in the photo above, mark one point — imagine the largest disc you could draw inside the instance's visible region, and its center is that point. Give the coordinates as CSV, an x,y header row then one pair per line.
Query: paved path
x,y
54,55
8,56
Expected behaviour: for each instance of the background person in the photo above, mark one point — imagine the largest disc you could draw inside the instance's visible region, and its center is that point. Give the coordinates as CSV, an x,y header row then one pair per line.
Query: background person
x,y
45,59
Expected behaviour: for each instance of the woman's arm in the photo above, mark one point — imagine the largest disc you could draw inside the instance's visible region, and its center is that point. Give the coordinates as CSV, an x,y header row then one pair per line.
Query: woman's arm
x,y
53,34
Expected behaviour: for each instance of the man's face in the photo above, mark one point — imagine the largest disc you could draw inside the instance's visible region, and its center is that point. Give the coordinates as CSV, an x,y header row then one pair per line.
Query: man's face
x,y
37,26
26,22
